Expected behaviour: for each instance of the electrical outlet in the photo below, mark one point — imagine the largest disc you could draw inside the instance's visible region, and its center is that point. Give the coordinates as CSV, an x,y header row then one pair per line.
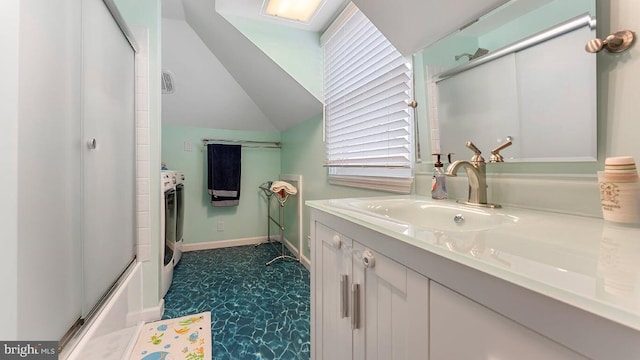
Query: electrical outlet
x,y
220,226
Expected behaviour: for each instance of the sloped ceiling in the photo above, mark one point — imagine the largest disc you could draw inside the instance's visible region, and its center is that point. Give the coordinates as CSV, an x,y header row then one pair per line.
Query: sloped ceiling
x,y
280,102
252,92
206,95
411,25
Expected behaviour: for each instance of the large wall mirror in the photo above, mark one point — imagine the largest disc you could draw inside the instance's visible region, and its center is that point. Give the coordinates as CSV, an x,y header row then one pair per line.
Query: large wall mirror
x,y
519,73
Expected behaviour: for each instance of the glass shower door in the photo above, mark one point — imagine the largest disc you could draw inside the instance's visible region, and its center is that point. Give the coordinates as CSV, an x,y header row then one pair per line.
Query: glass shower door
x,y
108,162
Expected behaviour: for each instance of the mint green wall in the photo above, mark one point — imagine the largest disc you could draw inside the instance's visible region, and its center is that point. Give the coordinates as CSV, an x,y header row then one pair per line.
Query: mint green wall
x,y
303,154
247,220
298,52
146,13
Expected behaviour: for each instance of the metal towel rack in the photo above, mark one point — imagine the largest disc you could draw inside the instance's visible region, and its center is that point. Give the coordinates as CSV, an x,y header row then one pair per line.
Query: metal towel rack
x,y
266,187
246,143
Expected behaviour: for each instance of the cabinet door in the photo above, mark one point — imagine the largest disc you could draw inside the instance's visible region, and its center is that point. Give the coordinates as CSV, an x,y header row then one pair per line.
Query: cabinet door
x,y
394,318
466,330
332,269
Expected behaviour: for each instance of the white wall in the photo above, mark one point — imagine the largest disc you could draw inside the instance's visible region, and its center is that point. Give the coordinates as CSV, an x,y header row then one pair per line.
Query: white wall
x,y
9,43
206,94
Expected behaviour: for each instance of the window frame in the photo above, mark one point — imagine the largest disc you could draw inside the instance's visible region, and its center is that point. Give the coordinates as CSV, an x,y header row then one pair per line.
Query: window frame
x,y
388,175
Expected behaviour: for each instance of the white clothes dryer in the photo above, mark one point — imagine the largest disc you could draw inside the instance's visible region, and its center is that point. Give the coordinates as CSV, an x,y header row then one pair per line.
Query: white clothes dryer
x,y
180,210
168,218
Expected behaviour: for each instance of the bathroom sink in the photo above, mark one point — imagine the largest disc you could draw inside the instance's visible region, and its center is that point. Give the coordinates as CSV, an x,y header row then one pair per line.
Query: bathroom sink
x,y
445,216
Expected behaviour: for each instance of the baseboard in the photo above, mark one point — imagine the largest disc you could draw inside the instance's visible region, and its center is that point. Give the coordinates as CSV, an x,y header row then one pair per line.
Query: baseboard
x,y
290,246
305,262
242,242
153,313
223,244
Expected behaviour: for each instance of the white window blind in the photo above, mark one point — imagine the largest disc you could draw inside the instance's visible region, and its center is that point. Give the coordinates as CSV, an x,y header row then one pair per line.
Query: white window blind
x,y
368,121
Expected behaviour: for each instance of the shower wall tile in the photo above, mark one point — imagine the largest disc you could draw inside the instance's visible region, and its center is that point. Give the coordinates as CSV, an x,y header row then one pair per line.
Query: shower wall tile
x,y
144,252
142,100
142,152
142,136
143,186
142,169
142,66
143,236
142,119
142,219
142,202
142,87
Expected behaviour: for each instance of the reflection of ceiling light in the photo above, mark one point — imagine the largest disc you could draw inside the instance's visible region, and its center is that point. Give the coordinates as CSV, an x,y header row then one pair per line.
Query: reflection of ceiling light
x,y
299,10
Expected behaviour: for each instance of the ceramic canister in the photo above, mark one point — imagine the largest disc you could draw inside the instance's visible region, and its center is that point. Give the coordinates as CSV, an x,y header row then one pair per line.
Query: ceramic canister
x,y
620,190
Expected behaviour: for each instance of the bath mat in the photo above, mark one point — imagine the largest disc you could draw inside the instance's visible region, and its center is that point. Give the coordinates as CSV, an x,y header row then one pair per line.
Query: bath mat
x,y
187,337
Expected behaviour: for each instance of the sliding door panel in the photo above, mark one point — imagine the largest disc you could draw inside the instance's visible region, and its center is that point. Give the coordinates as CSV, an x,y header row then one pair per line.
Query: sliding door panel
x,y
109,143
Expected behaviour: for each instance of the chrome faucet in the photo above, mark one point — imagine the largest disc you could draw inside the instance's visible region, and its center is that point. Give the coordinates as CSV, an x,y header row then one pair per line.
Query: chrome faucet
x,y
477,174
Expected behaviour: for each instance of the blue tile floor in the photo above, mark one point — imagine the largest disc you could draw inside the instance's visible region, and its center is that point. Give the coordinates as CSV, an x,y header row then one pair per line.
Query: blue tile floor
x,y
257,311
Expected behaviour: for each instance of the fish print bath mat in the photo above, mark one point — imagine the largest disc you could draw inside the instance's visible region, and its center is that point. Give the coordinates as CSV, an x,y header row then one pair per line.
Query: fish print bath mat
x,y
187,338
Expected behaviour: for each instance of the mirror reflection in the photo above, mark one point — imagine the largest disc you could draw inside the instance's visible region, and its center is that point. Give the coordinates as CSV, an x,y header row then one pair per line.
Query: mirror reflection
x,y
519,73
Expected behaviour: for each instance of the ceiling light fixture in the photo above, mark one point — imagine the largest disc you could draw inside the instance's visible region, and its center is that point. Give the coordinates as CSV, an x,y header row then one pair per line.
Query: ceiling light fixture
x,y
298,10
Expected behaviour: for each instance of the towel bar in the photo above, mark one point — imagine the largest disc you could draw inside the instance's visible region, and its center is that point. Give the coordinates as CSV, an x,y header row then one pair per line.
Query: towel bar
x,y
282,198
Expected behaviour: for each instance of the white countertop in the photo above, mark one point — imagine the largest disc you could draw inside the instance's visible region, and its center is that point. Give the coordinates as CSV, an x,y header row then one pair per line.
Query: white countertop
x,y
585,262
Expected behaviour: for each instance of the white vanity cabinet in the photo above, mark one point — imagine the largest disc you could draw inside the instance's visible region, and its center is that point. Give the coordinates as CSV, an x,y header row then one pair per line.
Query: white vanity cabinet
x,y
377,295
463,329
365,305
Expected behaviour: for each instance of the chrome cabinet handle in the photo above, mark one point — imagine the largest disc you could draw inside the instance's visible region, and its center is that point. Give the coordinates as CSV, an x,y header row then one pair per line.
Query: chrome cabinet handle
x,y
344,301
355,298
91,143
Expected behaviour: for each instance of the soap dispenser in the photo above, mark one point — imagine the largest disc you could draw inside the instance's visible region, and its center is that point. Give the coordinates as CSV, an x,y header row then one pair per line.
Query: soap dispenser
x,y
438,186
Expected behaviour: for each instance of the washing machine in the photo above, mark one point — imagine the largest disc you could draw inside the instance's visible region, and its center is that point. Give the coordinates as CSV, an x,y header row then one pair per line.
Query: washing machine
x,y
168,221
177,252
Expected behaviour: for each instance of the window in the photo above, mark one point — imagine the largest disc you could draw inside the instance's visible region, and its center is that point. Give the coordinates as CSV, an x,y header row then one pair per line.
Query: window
x,y
368,121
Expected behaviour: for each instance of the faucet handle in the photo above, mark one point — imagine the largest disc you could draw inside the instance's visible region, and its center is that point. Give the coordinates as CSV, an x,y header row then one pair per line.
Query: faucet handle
x,y
477,157
495,153
473,148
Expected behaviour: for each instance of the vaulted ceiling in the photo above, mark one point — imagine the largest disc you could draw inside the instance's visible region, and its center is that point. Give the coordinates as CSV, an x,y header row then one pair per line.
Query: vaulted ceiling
x,y
235,86
224,80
